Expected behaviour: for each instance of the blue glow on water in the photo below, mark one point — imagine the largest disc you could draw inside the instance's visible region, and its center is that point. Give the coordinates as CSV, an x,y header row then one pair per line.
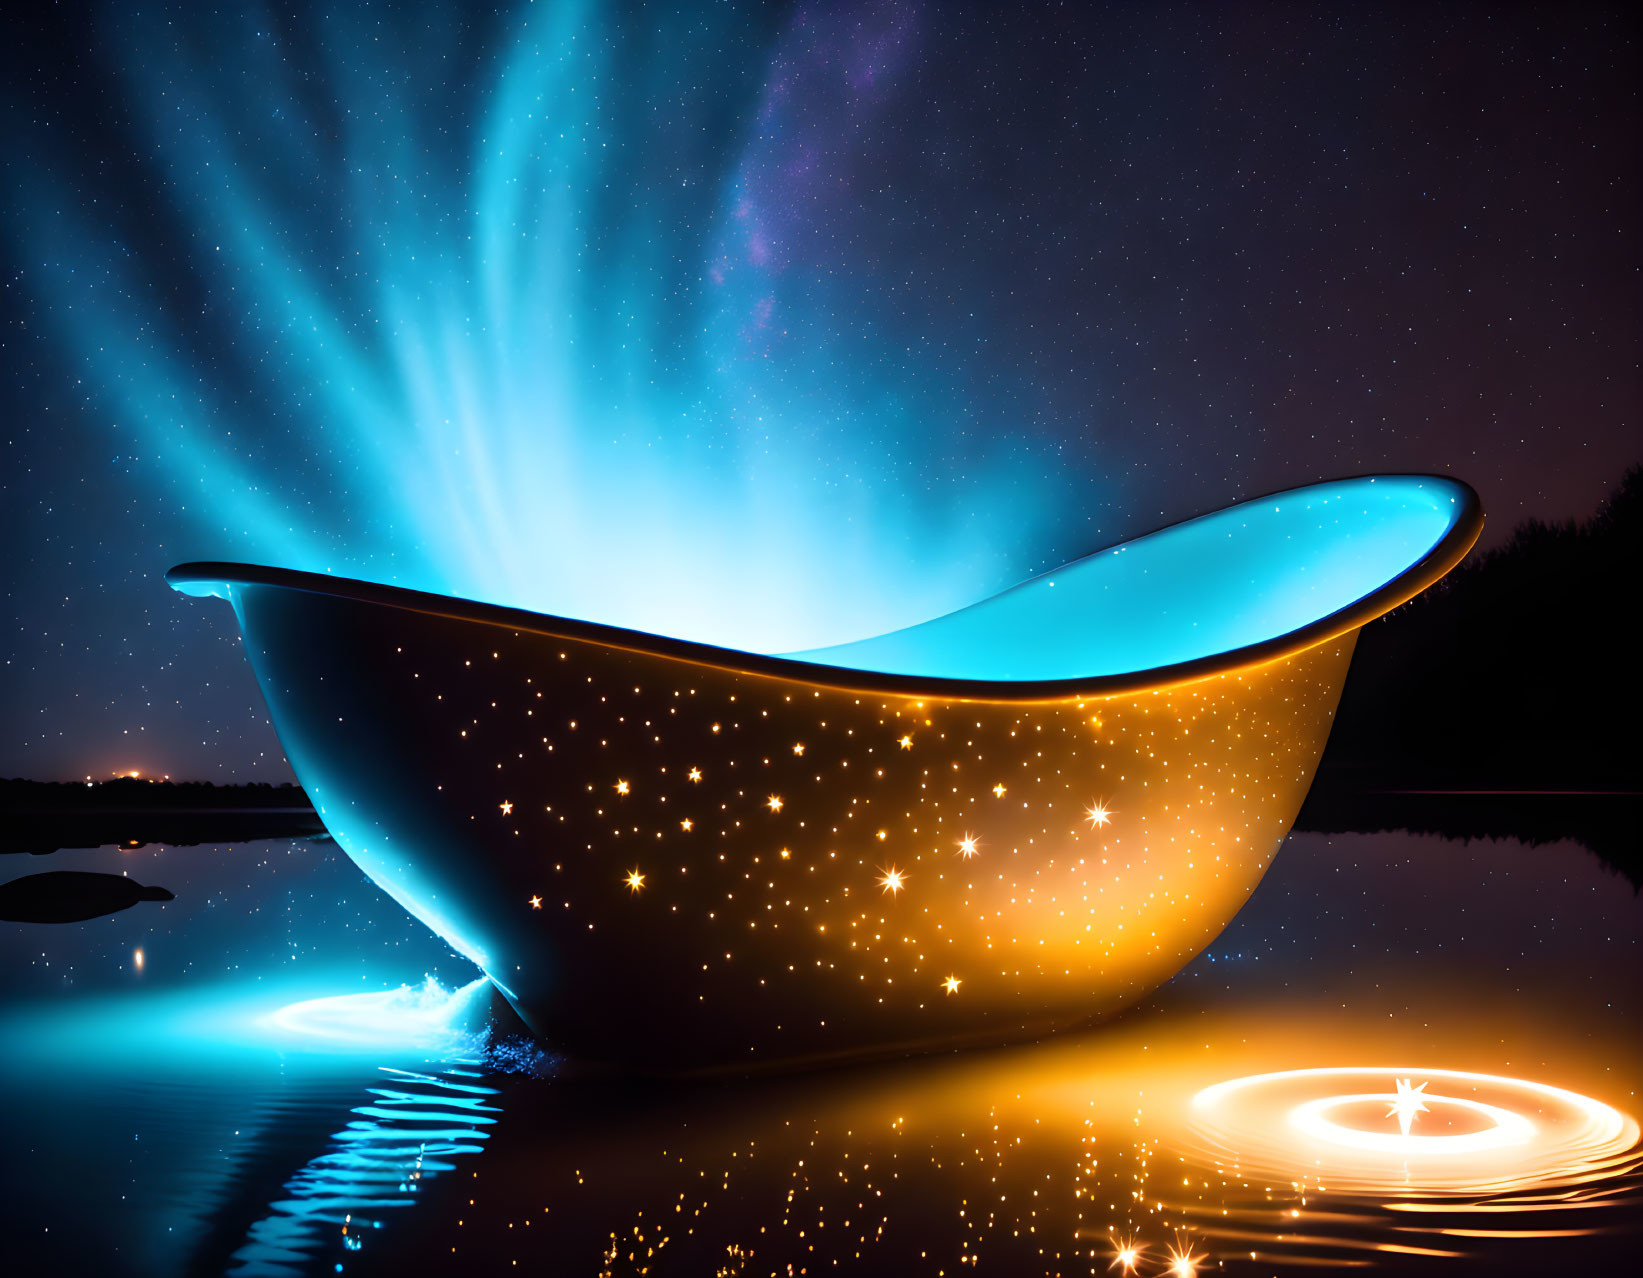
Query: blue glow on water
x,y
494,313
229,1024
1236,577
410,1072
427,1017
412,1128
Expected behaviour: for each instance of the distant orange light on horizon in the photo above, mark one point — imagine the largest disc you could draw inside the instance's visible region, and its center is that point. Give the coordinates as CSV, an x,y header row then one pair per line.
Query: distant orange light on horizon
x,y
132,774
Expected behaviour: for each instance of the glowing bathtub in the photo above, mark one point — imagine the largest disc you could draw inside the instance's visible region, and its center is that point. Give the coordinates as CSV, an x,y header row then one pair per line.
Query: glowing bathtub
x,y
1011,819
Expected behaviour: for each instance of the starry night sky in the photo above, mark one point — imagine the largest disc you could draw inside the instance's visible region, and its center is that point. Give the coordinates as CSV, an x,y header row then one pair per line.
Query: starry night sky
x,y
775,326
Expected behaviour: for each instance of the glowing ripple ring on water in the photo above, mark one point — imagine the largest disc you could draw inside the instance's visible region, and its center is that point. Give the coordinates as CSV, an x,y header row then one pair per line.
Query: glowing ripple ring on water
x,y
1509,1128
1539,1136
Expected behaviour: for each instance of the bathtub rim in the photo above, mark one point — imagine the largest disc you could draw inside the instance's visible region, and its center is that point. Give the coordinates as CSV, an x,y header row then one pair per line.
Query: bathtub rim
x,y
1431,567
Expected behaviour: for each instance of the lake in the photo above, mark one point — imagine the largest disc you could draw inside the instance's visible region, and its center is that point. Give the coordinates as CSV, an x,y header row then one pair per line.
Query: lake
x,y
280,1072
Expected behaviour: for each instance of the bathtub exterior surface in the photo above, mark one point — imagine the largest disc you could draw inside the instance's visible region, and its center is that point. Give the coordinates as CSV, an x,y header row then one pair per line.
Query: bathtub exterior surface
x,y
1008,820
670,865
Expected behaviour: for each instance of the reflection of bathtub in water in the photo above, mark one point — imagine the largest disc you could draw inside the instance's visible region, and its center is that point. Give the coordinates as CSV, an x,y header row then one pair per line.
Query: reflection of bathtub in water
x,y
994,824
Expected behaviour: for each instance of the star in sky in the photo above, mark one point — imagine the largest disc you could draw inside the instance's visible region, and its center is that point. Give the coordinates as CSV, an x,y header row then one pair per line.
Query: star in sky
x,y
998,790
774,803
622,787
967,845
506,806
536,903
1098,814
951,984
893,880
634,879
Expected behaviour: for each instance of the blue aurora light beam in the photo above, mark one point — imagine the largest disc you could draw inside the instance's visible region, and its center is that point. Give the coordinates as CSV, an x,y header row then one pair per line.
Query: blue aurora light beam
x,y
546,316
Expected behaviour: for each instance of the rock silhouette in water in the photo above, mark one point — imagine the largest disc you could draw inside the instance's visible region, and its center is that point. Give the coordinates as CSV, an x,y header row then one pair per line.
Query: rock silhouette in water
x,y
71,896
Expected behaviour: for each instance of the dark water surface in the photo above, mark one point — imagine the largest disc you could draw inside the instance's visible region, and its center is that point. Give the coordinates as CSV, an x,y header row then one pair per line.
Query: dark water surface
x,y
178,1102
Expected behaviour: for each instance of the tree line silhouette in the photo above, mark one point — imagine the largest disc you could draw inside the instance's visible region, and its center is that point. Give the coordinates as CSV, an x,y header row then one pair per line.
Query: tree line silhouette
x,y
1504,701
1519,671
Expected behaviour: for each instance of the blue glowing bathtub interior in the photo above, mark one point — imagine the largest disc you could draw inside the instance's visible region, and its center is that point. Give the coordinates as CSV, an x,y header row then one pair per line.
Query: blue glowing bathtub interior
x,y
1223,582
1228,580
